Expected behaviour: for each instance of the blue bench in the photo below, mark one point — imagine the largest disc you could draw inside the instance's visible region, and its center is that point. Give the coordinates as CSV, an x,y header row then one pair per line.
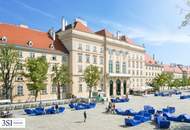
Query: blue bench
x,y
161,122
180,118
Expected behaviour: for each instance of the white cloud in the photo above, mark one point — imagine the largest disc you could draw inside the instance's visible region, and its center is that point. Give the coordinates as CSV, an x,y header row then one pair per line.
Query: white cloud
x,y
153,36
35,10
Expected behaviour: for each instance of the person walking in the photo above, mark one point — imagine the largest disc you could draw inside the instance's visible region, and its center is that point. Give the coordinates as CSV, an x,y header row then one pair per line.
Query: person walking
x,y
85,116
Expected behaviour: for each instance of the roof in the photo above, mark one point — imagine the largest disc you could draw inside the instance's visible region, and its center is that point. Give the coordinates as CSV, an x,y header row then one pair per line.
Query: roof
x,y
104,32
149,59
18,35
81,27
173,69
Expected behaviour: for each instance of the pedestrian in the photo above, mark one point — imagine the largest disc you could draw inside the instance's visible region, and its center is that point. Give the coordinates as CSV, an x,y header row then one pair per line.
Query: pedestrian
x,y
56,108
85,116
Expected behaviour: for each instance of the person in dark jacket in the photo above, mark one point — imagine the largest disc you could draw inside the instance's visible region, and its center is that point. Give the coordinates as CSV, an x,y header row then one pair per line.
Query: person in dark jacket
x,y
85,116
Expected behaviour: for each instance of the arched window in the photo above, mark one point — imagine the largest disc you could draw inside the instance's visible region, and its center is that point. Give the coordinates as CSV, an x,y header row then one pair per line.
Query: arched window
x,y
118,87
124,87
110,66
124,67
117,67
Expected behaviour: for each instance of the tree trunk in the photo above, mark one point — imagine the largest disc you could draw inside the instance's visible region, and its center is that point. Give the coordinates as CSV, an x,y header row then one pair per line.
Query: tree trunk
x,y
90,91
36,95
58,92
11,95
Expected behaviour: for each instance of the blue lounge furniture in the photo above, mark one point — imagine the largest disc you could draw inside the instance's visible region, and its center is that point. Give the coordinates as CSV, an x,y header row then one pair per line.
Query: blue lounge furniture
x,y
138,119
180,118
82,106
122,112
169,110
36,111
131,112
162,122
50,111
149,109
28,111
132,122
119,100
184,96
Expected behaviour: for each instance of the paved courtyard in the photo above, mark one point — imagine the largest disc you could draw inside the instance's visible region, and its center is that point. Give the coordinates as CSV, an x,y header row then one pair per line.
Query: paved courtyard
x,y
97,120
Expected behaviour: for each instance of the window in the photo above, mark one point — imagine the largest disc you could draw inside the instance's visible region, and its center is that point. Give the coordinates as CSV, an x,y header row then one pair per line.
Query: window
x,y
19,66
80,88
129,63
129,71
4,39
19,78
80,79
101,50
124,67
94,59
32,92
137,64
20,90
20,54
32,55
30,43
87,48
53,67
80,46
44,55
64,58
79,58
140,64
53,57
94,49
117,67
80,68
110,66
133,64
101,60
53,89
44,91
87,58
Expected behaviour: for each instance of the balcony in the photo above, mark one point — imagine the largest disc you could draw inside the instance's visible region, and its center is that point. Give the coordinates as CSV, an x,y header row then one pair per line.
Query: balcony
x,y
118,75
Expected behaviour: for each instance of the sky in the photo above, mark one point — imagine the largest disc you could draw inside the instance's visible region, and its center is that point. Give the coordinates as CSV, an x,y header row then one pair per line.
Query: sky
x,y
154,23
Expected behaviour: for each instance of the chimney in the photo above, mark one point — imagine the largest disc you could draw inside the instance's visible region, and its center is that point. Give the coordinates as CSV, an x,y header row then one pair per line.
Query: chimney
x,y
63,22
52,33
153,56
117,34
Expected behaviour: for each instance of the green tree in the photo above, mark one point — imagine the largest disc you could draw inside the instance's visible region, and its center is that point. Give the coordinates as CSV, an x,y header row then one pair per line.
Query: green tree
x,y
37,72
61,77
91,77
9,61
177,83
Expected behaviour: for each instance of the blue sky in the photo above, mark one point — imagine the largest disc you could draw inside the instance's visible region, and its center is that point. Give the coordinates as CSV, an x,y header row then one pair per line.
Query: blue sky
x,y
151,22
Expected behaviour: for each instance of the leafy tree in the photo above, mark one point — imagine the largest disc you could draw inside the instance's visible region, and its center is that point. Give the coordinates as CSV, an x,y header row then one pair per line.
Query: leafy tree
x,y
186,20
9,61
184,81
61,77
37,71
161,80
177,83
91,77
155,85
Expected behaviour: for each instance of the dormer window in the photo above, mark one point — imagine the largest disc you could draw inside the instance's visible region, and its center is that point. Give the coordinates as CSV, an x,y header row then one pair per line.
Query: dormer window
x,y
51,46
30,43
4,39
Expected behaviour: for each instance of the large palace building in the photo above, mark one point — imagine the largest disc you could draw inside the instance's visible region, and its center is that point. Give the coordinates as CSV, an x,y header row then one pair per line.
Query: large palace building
x,y
124,65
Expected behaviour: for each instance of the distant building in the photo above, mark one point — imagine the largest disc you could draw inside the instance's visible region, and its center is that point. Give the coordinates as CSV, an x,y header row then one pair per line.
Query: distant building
x,y
153,68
